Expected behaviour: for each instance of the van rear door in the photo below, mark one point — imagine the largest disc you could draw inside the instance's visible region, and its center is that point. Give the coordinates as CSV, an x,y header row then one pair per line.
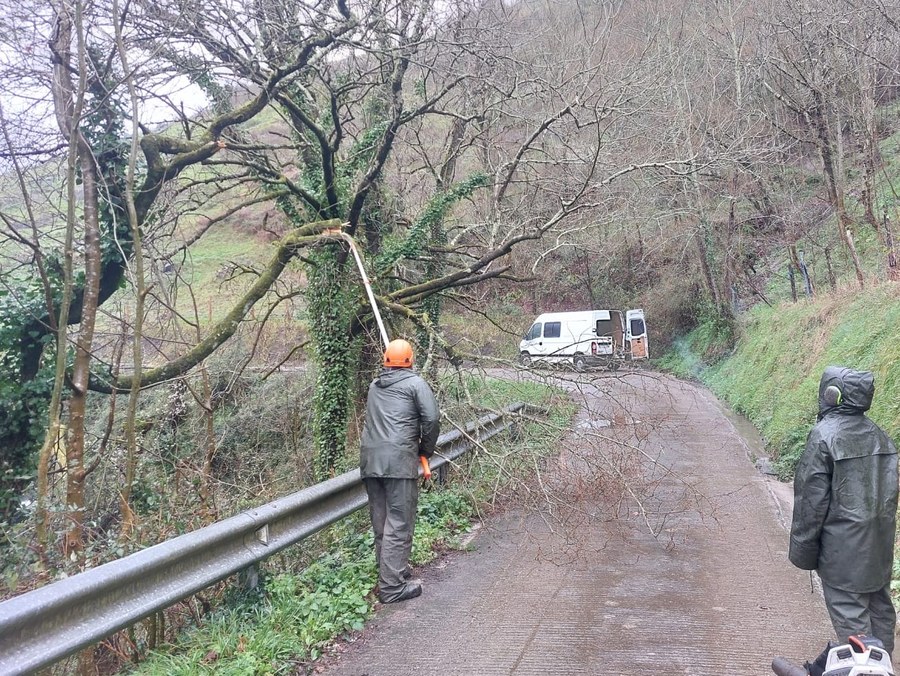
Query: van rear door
x,y
636,333
608,332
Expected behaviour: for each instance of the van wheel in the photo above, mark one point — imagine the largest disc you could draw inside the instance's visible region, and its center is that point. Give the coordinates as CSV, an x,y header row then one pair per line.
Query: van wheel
x,y
580,363
525,359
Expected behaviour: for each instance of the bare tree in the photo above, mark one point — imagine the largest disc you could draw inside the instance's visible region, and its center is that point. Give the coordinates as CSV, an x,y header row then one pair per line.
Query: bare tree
x,y
85,80
808,78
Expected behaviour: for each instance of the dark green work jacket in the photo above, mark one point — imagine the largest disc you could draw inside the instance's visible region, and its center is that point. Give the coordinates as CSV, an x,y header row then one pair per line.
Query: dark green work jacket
x,y
845,491
402,422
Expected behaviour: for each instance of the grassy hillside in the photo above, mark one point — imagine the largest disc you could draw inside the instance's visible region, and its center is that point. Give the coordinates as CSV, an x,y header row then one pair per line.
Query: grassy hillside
x,y
773,374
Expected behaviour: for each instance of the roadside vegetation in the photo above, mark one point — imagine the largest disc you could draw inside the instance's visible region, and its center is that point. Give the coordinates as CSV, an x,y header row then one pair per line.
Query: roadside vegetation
x,y
183,332
306,599
206,456
291,616
772,375
767,362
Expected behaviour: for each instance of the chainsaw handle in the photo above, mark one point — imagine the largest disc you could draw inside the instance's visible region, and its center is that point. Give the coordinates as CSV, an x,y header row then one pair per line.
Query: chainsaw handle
x,y
784,668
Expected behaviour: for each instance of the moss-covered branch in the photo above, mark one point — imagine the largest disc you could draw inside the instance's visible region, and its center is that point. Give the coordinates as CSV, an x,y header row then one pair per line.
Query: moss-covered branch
x,y
288,247
424,323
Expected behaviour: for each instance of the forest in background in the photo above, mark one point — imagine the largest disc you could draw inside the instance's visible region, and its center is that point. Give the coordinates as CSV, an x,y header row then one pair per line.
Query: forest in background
x,y
178,177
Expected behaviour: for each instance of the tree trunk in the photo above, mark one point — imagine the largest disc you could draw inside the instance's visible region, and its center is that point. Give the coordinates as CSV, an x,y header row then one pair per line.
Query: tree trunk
x,y
206,404
832,279
893,270
835,184
703,257
589,277
140,286
868,145
792,281
868,196
75,470
435,265
65,102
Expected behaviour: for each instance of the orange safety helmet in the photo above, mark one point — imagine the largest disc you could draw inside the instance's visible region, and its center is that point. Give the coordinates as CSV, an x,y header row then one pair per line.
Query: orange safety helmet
x,y
399,354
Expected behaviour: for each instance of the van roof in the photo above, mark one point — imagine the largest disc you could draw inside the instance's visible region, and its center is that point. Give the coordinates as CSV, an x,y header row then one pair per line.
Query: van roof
x,y
575,316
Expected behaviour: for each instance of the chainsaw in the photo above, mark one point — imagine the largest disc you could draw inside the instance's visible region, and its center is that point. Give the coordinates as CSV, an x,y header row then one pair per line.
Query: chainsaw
x,y
860,656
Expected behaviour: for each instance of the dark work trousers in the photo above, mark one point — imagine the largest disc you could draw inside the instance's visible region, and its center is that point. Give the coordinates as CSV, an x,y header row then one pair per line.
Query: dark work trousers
x,y
392,506
871,614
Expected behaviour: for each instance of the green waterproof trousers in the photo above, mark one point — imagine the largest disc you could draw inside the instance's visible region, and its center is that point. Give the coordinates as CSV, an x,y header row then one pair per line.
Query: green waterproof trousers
x,y
392,507
870,614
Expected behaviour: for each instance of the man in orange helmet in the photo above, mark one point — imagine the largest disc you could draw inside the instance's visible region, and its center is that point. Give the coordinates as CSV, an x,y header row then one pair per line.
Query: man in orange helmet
x,y
402,423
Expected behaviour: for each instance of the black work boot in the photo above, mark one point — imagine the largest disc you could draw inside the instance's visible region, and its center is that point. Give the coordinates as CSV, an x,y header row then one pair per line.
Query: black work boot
x,y
410,591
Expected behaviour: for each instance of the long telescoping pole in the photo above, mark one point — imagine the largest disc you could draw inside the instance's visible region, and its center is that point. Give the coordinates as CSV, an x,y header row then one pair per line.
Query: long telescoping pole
x,y
426,469
365,279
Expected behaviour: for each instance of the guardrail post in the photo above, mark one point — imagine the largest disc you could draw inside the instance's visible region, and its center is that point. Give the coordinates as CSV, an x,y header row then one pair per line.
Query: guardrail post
x,y
441,474
249,577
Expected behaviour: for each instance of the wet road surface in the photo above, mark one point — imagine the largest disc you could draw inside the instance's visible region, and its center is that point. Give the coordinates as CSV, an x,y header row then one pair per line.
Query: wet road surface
x,y
654,547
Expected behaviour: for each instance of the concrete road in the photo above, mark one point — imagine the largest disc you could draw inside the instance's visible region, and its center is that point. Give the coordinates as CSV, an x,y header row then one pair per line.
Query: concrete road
x,y
651,546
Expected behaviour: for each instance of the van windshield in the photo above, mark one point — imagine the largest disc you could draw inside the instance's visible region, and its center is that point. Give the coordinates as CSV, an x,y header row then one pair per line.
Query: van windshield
x,y
534,332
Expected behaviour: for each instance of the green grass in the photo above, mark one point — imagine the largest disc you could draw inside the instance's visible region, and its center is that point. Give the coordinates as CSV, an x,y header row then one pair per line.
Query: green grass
x,y
493,393
692,354
773,375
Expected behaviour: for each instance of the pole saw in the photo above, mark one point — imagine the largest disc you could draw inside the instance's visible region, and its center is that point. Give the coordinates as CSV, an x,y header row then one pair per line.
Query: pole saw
x,y
337,232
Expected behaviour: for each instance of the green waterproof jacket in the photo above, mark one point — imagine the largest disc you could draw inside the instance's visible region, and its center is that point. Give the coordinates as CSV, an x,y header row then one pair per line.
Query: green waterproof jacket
x,y
402,422
845,490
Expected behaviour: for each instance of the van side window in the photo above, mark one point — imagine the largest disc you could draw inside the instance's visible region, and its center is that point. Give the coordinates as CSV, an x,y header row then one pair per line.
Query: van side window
x,y
604,327
552,329
637,327
534,331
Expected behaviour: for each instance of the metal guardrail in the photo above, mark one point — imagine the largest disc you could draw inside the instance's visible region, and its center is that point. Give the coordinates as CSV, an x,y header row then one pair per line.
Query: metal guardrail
x,y
43,626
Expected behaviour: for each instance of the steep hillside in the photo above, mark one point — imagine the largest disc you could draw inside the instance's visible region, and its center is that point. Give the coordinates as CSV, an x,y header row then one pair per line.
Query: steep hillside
x,y
773,374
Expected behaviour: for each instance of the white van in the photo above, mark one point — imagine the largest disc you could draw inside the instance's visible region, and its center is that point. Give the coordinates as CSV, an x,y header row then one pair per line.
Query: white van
x,y
585,338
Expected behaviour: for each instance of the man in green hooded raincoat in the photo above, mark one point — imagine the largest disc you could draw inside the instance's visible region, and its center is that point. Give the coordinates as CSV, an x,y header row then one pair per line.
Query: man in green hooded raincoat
x,y
845,508
402,423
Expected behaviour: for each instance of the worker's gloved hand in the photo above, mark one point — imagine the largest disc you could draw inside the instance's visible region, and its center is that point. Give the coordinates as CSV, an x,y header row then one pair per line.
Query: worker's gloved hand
x,y
426,468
